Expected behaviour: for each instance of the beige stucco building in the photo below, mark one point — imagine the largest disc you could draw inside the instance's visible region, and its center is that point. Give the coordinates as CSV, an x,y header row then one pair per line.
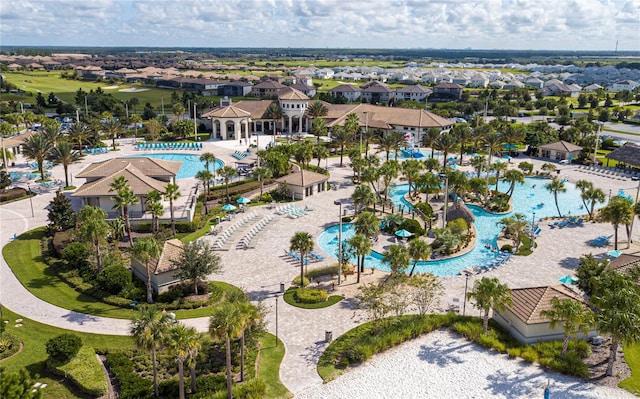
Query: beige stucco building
x,y
163,272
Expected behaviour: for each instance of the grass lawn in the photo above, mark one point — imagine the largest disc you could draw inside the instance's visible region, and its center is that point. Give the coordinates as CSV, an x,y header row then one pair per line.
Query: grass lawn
x,y
269,367
632,357
24,258
290,299
34,336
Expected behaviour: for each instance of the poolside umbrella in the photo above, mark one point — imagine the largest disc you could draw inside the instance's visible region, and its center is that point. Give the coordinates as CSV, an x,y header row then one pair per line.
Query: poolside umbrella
x,y
243,200
510,146
454,166
403,233
498,160
569,280
475,154
452,159
228,207
615,253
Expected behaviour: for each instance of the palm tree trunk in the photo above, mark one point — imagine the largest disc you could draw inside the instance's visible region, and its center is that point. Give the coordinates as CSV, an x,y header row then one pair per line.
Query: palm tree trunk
x,y
358,266
113,141
485,322
96,243
149,293
127,224
66,175
228,356
555,197
181,374
193,378
342,151
41,169
155,373
195,286
173,221
615,242
565,345
413,268
242,357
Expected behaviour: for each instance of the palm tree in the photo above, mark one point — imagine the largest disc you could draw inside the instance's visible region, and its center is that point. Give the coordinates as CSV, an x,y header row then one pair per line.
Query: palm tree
x,y
118,230
37,148
462,135
303,244
430,137
513,134
172,193
498,167
489,294
63,153
205,177
445,144
208,158
363,197
148,329
113,128
418,251
275,113
479,163
178,110
397,257
123,199
144,250
493,141
315,110
228,173
618,211
153,201
261,173
514,227
341,138
319,129
590,195
181,341
428,183
52,133
513,176
93,228
361,246
574,316
388,171
79,132
556,186
367,224
320,152
226,324
411,169
251,317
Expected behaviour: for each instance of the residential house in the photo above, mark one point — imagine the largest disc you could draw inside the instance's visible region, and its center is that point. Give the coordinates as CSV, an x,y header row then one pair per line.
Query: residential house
x,y
377,92
592,88
314,183
350,92
267,88
445,91
413,92
622,85
560,151
534,82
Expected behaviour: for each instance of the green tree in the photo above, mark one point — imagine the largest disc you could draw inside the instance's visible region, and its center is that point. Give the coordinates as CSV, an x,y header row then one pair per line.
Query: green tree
x,y
418,251
397,257
319,129
574,316
228,173
513,176
446,144
367,224
489,294
412,168
514,228
196,262
430,137
18,385
113,128
590,195
588,272
226,324
63,153
303,244
363,197
479,164
262,173
618,211
79,132
251,318
122,201
61,215
493,142
183,127
172,193
388,171
93,228
424,291
146,249
320,152
462,135
341,138
556,186
181,341
209,159
153,202
275,113
148,329
37,148
205,177
361,247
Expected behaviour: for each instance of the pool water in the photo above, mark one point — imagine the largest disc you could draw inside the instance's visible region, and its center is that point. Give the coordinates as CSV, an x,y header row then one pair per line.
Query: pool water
x,y
191,164
528,198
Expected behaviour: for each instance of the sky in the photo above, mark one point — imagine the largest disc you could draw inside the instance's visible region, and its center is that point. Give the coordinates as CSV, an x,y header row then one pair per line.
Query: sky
x,y
390,24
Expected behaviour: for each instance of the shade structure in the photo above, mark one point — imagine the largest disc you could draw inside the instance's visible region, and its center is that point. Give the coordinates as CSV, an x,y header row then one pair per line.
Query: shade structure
x,y
452,159
243,200
569,280
615,253
403,233
228,207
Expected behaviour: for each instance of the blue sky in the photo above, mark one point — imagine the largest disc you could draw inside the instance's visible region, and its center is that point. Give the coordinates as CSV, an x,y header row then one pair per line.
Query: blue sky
x,y
478,24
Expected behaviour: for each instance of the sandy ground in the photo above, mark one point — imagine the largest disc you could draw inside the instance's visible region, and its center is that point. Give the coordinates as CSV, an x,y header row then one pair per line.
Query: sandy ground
x,y
444,365
132,90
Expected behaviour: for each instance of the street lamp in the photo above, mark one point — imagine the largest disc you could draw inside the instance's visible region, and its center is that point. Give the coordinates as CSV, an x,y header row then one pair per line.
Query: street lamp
x,y
533,234
466,285
276,296
446,197
30,200
336,202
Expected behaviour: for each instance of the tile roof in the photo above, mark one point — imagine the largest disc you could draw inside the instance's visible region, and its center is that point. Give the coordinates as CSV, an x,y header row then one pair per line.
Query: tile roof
x,y
231,111
170,252
624,263
345,89
388,117
529,302
561,146
140,184
289,93
148,166
310,178
269,84
257,109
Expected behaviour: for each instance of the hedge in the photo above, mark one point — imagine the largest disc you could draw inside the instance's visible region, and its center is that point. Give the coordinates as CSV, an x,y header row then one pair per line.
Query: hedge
x,y
131,385
13,194
84,370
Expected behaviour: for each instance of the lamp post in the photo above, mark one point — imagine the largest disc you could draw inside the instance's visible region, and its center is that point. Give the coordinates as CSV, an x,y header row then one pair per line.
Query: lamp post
x,y
339,240
446,198
466,285
195,123
533,235
30,200
276,296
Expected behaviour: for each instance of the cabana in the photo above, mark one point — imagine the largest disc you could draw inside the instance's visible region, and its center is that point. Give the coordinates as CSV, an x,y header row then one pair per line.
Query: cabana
x,y
628,155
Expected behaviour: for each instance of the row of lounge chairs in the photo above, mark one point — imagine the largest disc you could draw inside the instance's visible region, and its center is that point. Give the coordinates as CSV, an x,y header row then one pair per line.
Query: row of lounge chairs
x,y
16,176
240,155
168,146
493,263
610,172
96,150
220,242
600,241
45,164
312,256
292,211
246,242
566,222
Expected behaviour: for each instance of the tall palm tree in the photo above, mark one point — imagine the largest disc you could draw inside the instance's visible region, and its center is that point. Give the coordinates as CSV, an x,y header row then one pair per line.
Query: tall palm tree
x,y
418,251
411,169
275,113
52,133
388,171
361,246
430,137
446,143
205,177
146,249
181,341
513,134
113,128
208,158
63,153
590,195
574,316
489,294
397,257
148,329
93,228
363,197
367,224
153,202
79,132
303,244
319,129
556,186
225,325
618,211
513,176
261,173
178,110
37,148
320,152
479,163
462,134
228,173
316,110
251,317
498,167
172,193
493,141
122,200
387,143
341,138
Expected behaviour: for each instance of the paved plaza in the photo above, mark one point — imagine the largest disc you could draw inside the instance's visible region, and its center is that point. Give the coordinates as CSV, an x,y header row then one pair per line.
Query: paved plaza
x,y
260,270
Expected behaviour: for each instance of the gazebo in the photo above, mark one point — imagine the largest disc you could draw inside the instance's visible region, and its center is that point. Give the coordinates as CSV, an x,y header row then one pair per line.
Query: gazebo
x,y
628,155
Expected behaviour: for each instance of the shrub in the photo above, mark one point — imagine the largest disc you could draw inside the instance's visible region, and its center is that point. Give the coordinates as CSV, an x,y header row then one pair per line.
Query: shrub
x,y
9,345
413,226
311,295
507,248
570,365
252,389
63,347
75,253
296,281
114,279
331,270
131,385
514,352
84,370
529,354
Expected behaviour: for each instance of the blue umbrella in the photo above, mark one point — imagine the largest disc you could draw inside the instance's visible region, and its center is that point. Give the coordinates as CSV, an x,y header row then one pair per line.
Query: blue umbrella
x,y
569,280
403,233
243,200
615,253
228,207
454,166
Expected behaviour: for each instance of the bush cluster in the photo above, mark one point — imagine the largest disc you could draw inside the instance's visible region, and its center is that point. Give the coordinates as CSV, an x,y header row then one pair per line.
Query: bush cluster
x,y
12,194
114,279
84,370
130,383
311,295
63,347
9,345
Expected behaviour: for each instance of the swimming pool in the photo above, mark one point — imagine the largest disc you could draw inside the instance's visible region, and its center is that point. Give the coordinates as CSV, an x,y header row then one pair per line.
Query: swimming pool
x,y
191,164
528,198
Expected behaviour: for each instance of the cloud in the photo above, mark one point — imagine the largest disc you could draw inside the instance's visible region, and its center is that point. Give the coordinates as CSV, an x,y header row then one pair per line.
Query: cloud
x,y
536,24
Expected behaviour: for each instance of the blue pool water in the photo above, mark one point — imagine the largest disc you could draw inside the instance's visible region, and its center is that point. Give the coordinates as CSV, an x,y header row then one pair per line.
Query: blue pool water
x,y
528,198
191,163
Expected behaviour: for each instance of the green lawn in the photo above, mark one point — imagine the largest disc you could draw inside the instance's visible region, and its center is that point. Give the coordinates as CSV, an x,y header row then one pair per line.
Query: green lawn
x,y
23,257
632,357
269,367
34,336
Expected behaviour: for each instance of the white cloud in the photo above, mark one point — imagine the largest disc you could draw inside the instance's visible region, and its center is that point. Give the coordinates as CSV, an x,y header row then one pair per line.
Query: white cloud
x,y
525,24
